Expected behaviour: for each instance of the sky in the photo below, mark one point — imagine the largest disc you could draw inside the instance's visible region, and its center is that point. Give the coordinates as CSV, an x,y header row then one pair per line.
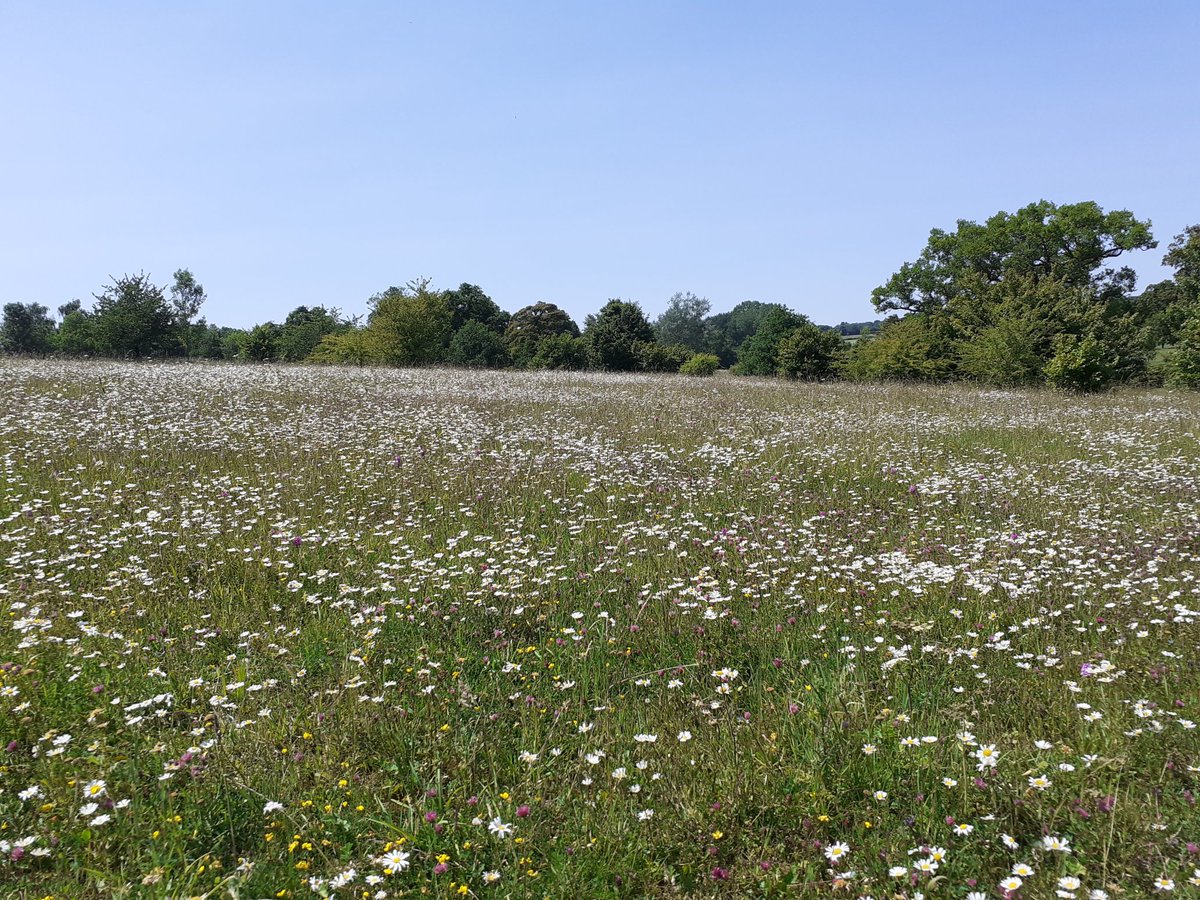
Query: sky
x,y
294,153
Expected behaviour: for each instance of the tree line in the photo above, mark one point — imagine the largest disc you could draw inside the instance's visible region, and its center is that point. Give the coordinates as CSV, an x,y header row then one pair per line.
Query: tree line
x,y
1023,298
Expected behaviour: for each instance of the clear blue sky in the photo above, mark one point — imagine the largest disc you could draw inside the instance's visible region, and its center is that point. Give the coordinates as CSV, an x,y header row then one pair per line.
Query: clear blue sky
x,y
291,152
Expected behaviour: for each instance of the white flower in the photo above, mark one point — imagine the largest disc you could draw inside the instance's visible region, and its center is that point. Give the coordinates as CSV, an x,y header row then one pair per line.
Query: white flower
x,y
272,806
394,862
834,852
500,828
685,736
645,815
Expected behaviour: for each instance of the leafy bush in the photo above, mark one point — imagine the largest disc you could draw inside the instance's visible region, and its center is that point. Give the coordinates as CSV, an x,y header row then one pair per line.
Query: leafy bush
x,y
477,347
808,352
759,354
1184,368
1082,364
344,348
613,332
701,365
654,357
908,349
560,351
1003,354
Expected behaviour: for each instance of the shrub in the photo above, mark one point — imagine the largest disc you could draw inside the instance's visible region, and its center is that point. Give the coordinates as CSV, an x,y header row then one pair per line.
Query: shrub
x,y
654,357
477,347
701,365
1081,364
908,349
344,348
561,351
612,333
1184,368
808,352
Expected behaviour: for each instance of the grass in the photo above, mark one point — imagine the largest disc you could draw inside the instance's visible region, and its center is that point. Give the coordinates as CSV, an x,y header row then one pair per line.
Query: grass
x,y
667,637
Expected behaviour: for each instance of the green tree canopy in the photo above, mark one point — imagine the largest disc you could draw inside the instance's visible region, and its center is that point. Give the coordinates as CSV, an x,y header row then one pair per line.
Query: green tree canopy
x,y
187,296
682,322
468,303
476,346
808,352
303,330
531,325
613,333
409,326
724,333
1069,243
26,328
759,353
132,318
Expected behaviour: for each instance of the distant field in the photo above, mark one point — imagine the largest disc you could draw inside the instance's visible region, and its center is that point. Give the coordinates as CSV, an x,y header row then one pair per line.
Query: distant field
x,y
294,632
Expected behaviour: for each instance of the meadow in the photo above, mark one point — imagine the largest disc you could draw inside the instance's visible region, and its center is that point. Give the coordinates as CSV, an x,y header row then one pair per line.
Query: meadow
x,y
367,633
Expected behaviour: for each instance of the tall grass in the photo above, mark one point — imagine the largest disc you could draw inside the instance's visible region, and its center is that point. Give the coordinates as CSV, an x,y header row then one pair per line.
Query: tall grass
x,y
291,632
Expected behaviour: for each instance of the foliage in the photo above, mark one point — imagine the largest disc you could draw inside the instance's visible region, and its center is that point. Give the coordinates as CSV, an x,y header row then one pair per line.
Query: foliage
x,y
682,322
726,332
1163,308
808,352
654,357
349,347
530,325
132,318
854,329
303,330
470,304
560,351
262,343
1183,255
1184,370
759,354
409,326
701,365
1083,364
1069,243
613,333
208,341
913,348
476,346
75,337
187,296
26,328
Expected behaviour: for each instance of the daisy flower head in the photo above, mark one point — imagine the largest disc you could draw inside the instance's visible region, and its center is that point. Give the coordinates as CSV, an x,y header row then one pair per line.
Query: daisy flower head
x,y
835,852
1055,843
394,862
500,828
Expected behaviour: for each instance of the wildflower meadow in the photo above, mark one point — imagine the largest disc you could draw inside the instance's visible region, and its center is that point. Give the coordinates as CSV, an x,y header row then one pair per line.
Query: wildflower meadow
x,y
327,632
